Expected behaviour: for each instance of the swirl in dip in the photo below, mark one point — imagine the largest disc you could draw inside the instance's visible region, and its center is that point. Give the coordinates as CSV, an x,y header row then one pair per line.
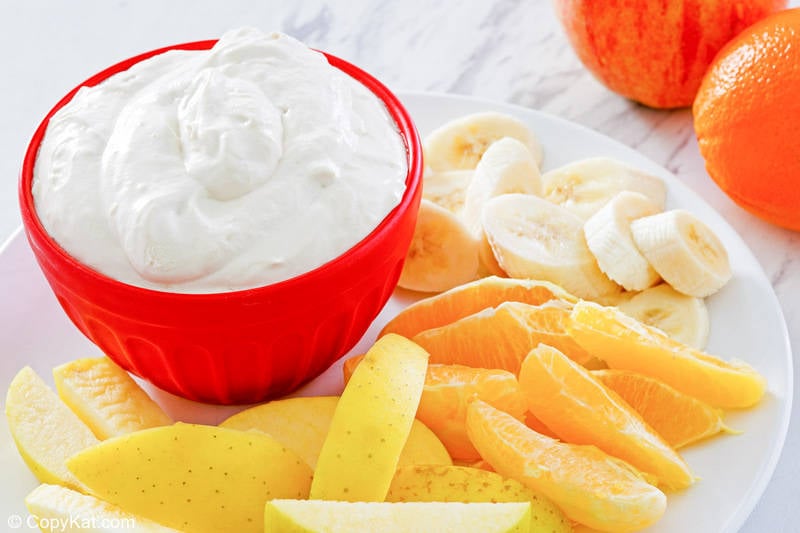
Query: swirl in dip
x,y
219,170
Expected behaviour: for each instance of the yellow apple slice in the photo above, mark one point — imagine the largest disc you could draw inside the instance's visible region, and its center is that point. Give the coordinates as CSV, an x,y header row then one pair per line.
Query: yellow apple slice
x,y
46,432
311,516
301,424
436,483
60,505
371,423
193,477
106,398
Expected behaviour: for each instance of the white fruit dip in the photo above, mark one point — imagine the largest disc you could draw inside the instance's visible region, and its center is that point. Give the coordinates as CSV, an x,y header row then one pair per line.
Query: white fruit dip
x,y
219,170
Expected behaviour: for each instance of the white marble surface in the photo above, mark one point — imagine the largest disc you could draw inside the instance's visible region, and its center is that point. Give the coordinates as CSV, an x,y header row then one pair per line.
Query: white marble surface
x,y
507,50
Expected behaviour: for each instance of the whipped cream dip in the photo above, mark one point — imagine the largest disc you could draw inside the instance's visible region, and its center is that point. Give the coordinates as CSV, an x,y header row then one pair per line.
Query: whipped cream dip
x,y
218,170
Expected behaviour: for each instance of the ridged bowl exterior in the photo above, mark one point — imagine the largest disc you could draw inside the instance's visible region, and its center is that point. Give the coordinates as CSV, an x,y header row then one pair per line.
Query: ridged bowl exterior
x,y
244,346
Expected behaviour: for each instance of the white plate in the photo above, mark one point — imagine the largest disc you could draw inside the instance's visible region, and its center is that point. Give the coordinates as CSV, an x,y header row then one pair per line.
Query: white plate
x,y
746,322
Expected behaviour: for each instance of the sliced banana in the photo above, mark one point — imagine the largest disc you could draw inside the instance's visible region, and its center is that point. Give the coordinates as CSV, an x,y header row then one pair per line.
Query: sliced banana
x,y
682,317
488,262
507,166
684,251
443,252
447,189
585,186
532,238
615,299
608,235
460,143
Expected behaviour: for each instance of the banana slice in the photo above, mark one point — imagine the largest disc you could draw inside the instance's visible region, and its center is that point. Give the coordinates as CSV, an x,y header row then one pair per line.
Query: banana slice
x,y
460,143
488,262
443,252
507,166
684,251
684,318
585,186
608,235
615,299
447,188
532,238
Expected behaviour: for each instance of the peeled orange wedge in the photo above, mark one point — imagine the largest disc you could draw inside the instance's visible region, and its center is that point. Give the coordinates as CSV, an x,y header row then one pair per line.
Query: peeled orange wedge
x,y
501,337
677,417
624,343
581,410
538,426
448,388
590,486
470,298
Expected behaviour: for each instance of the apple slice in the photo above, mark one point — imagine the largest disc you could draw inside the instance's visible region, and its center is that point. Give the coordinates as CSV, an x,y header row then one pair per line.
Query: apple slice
x,y
311,516
301,424
46,432
371,423
193,477
60,505
106,398
435,483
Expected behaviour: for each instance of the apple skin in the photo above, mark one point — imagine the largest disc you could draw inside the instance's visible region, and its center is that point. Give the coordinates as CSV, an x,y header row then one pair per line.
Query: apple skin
x,y
655,51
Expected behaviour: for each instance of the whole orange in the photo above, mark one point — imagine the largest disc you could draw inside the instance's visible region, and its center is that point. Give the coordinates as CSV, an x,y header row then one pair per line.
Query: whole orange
x,y
747,119
655,51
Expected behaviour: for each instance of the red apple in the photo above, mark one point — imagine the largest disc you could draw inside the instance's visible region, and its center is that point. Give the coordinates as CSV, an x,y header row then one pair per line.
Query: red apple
x,y
656,51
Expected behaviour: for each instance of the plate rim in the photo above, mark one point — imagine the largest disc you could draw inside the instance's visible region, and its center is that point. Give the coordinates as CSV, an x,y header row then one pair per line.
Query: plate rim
x,y
10,239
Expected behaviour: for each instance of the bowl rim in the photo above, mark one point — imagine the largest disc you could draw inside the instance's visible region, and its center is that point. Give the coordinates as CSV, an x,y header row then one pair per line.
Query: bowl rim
x,y
36,232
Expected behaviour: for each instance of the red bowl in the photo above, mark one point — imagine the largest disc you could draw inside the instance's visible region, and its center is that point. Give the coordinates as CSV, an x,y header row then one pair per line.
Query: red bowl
x,y
243,346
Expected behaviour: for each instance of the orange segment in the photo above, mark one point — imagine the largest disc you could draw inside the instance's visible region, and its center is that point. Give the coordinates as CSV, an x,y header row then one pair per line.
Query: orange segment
x,y
590,486
624,343
447,390
581,410
538,426
501,337
678,418
470,298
